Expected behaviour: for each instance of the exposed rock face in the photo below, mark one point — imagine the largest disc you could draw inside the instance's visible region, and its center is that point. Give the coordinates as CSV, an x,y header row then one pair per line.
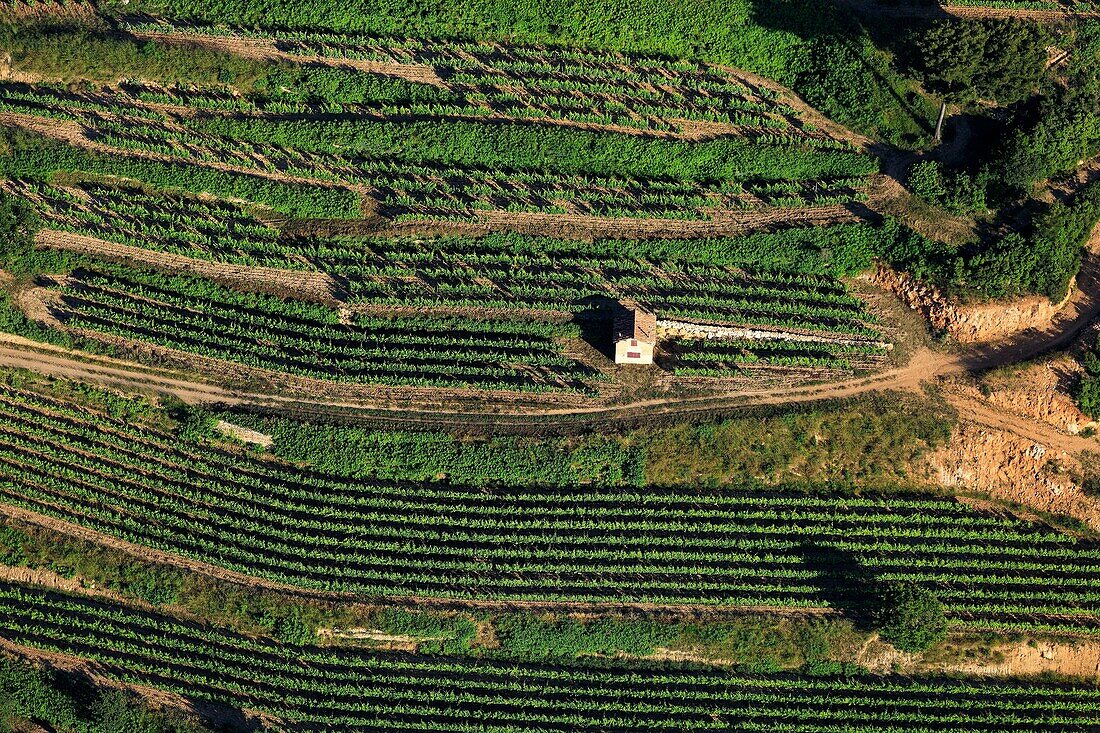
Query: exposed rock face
x,y
1014,468
1037,391
968,323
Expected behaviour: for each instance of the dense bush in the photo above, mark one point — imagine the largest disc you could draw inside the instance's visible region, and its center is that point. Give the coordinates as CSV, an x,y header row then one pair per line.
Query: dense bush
x,y
36,698
910,617
1063,128
957,191
1044,262
1087,391
1001,60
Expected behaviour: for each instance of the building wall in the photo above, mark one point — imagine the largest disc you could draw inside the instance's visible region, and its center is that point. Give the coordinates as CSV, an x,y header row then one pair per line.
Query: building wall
x,y
626,348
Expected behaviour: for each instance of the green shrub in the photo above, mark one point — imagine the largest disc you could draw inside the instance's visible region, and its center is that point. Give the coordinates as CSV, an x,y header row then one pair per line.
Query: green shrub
x,y
910,617
926,181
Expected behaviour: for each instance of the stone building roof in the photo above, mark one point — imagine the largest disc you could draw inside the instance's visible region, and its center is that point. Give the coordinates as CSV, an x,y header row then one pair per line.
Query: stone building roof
x,y
634,322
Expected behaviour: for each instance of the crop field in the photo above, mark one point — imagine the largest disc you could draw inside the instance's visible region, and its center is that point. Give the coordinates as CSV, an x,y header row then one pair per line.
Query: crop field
x,y
541,83
269,519
394,179
816,321
310,340
320,689
516,366
442,181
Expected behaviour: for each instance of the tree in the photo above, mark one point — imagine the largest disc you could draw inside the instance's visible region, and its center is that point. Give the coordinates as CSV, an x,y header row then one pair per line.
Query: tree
x,y
1002,60
910,617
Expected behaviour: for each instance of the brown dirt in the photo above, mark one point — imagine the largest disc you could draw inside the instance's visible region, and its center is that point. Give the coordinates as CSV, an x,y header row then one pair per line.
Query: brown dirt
x,y
243,434
987,453
1075,658
1039,391
1071,657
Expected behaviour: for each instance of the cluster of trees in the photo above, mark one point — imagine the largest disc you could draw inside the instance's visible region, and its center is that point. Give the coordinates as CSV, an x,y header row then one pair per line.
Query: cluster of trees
x,y
1043,261
1063,127
997,60
1088,388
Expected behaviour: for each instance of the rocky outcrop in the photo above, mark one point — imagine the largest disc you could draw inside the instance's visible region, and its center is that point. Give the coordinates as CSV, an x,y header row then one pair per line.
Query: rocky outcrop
x,y
1013,468
968,323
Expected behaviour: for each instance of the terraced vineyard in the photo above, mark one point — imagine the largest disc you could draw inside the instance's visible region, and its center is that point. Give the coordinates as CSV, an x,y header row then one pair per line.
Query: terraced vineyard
x,y
319,689
541,83
707,280
269,519
466,167
199,317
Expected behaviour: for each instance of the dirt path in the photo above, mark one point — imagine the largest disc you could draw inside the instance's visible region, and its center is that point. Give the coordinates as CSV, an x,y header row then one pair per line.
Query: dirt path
x,y
983,413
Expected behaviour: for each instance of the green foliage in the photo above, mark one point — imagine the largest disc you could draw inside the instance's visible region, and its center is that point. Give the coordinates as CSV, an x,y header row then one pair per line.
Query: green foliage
x,y
84,55
37,157
957,191
1044,262
33,697
1064,127
431,456
530,637
357,688
29,546
293,630
911,617
1087,391
926,180
867,443
1001,60
32,693
514,146
434,633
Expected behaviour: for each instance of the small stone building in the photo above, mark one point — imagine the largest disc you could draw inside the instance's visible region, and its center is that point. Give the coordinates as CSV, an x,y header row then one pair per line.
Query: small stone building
x,y
635,334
